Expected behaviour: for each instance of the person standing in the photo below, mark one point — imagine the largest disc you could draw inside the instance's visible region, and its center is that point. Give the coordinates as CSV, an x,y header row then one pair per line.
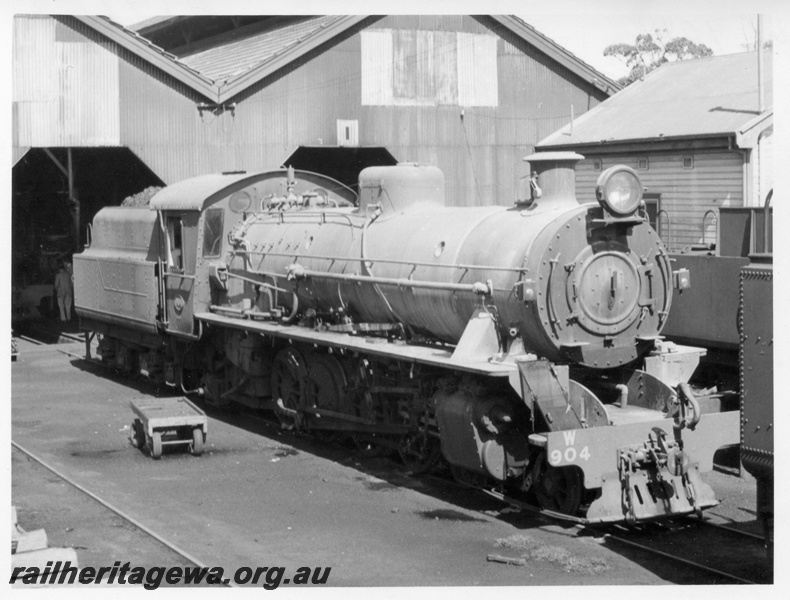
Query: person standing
x,y
64,288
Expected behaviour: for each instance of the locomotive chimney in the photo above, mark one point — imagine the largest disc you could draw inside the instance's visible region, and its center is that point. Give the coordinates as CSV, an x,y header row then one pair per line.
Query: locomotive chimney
x,y
553,176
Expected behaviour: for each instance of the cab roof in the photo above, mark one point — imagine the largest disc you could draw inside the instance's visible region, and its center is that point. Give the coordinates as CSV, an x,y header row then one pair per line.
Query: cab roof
x,y
197,193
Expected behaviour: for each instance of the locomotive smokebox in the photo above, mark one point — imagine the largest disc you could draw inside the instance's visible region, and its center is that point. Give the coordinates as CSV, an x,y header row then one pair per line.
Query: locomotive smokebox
x,y
553,175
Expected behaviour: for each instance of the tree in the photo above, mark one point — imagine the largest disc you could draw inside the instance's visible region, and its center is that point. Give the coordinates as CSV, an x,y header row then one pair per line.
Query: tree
x,y
651,51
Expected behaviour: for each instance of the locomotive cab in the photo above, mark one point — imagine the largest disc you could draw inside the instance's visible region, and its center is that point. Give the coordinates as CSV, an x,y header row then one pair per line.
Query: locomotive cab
x,y
184,219
202,217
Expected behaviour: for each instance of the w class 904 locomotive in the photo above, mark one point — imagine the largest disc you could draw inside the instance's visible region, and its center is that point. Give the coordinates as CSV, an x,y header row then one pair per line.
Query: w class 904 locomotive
x,y
520,345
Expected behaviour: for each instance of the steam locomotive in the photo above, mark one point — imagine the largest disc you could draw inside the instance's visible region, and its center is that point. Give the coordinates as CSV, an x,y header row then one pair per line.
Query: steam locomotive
x,y
519,345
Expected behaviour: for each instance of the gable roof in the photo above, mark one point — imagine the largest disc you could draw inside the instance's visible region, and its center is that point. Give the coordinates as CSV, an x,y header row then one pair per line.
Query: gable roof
x,y
221,90
267,57
224,70
703,98
173,32
243,54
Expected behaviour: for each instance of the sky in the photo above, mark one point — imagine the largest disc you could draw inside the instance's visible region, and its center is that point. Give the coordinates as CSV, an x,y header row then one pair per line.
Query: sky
x,y
588,35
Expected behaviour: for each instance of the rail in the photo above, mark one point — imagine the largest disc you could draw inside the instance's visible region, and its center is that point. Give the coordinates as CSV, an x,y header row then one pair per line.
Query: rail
x,y
582,524
147,530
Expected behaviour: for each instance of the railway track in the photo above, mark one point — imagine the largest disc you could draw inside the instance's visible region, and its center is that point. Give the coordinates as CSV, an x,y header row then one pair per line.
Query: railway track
x,y
723,554
73,337
708,552
69,336
129,519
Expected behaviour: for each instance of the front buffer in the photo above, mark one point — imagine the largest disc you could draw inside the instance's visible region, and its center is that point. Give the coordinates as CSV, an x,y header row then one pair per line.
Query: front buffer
x,y
644,470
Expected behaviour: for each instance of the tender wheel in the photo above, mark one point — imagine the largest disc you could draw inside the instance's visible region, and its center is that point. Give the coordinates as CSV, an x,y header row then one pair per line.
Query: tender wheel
x,y
558,489
136,434
156,445
197,441
288,375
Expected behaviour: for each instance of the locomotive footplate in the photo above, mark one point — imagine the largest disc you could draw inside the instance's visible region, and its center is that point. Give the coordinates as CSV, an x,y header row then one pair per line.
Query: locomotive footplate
x,y
644,470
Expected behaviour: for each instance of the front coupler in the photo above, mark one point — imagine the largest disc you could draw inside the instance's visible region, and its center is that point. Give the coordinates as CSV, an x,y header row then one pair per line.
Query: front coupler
x,y
645,470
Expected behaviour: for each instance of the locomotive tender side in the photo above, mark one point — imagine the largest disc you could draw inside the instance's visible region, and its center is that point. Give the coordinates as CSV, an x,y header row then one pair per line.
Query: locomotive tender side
x,y
756,360
520,344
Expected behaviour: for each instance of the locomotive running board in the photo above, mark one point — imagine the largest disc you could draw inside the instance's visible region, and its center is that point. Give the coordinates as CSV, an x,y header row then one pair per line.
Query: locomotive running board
x,y
373,346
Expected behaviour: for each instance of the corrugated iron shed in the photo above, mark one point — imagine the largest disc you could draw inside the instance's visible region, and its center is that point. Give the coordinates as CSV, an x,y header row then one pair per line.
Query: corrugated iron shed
x,y
232,67
150,53
470,94
556,52
288,45
707,97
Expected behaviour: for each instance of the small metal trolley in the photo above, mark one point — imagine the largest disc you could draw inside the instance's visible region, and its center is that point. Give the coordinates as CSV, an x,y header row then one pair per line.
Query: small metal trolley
x,y
167,421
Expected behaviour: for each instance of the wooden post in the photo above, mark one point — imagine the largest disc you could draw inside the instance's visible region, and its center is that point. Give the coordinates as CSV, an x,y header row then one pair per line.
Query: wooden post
x,y
73,199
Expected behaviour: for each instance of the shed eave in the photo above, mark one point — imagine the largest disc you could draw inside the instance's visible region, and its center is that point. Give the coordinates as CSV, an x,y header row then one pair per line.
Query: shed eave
x,y
188,77
724,140
750,133
557,53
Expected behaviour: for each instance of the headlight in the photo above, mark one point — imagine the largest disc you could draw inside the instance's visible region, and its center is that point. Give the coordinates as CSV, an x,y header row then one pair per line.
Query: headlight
x,y
619,190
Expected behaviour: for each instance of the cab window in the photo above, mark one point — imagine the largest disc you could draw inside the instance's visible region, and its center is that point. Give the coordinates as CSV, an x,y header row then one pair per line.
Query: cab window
x,y
212,232
175,236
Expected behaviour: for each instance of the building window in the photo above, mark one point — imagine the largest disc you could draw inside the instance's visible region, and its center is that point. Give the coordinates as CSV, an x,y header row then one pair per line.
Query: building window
x,y
597,164
642,164
688,162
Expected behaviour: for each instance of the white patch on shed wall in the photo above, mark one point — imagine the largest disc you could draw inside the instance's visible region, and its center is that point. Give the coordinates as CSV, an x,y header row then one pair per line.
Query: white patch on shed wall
x,y
428,68
477,70
65,93
377,67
